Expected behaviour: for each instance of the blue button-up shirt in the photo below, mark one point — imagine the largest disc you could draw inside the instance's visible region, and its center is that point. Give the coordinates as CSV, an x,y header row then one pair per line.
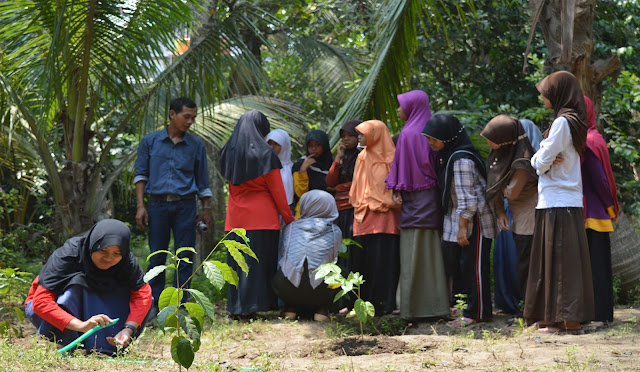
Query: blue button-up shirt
x,y
169,168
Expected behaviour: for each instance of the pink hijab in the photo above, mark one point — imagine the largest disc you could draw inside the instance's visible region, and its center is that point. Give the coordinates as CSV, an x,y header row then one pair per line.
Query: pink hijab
x,y
597,145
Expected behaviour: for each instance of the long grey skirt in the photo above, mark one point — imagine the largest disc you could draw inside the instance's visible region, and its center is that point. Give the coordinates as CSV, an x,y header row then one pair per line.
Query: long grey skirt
x,y
423,283
560,286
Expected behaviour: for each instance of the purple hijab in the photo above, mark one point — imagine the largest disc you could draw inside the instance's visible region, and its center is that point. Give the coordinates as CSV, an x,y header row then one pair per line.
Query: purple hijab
x,y
414,163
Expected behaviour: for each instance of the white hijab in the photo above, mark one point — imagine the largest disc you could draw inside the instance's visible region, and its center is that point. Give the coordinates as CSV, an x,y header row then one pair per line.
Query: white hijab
x,y
281,137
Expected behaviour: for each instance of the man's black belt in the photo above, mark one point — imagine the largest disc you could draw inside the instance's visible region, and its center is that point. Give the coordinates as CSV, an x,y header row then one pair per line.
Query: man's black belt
x,y
171,197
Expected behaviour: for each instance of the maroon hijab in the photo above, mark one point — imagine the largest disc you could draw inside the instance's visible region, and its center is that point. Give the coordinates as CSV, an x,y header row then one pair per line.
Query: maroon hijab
x,y
565,94
597,145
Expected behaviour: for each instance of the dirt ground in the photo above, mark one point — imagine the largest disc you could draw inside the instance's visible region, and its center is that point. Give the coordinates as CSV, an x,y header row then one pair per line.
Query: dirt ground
x,y
304,346
278,345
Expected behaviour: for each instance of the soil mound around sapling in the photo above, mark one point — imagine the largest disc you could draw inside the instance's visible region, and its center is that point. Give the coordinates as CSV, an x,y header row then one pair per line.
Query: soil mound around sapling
x,y
354,346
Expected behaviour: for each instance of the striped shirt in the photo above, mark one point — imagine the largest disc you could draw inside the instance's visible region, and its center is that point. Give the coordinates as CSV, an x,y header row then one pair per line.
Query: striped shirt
x,y
468,198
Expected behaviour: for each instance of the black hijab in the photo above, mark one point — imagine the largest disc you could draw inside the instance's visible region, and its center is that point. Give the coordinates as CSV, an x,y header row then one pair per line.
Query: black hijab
x,y
457,145
515,153
318,171
71,264
350,155
246,155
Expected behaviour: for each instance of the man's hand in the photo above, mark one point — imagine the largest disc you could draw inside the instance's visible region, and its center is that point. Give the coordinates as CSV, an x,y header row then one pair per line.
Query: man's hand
x,y
308,161
205,217
396,197
503,222
142,217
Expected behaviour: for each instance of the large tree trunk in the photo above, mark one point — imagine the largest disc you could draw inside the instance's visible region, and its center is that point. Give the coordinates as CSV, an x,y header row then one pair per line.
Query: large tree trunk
x,y
74,215
625,254
567,26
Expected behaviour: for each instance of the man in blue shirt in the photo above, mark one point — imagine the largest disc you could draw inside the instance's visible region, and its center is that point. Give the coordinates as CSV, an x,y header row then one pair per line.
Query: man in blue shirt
x,y
172,169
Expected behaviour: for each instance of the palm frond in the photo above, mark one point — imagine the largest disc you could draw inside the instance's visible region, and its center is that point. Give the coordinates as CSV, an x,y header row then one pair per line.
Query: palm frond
x,y
390,74
215,129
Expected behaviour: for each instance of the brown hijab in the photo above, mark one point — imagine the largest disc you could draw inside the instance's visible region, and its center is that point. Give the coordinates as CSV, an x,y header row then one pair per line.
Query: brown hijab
x,y
565,94
515,153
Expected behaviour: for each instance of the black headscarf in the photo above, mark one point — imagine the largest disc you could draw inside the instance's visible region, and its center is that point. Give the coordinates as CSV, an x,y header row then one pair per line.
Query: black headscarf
x,y
71,264
350,155
318,171
565,94
515,153
457,145
246,155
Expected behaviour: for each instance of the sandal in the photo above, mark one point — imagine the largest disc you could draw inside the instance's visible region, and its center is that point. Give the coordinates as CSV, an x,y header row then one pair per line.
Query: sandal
x,y
460,322
290,315
561,331
319,317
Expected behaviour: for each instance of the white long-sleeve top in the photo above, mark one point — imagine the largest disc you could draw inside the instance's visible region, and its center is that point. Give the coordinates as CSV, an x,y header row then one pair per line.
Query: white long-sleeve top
x,y
559,185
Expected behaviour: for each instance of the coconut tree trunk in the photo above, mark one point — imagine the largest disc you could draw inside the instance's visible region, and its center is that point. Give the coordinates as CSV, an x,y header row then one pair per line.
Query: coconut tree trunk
x,y
625,253
567,26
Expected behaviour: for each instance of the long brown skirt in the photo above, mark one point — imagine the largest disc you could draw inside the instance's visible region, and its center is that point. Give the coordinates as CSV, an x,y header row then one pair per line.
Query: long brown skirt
x,y
559,287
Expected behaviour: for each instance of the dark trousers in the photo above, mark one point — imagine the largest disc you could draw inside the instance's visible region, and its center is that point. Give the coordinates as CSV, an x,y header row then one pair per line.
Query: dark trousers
x,y
165,217
523,246
469,268
600,254
304,296
380,267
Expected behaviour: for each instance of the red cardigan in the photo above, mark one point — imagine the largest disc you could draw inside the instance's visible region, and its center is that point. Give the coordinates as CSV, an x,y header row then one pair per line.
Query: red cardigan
x,y
254,205
44,305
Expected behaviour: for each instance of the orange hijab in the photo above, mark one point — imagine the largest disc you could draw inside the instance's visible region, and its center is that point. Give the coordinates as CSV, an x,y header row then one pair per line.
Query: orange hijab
x,y
368,191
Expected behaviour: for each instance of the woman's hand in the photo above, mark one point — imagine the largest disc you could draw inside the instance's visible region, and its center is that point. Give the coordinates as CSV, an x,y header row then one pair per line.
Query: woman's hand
x,y
462,237
123,338
340,153
308,161
396,197
80,326
559,159
503,222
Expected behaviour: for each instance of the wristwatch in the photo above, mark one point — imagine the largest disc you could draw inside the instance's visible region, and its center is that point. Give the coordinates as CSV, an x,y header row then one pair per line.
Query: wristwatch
x,y
131,327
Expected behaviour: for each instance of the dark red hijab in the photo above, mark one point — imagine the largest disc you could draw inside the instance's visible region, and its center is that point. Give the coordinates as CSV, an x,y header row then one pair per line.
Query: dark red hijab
x,y
597,145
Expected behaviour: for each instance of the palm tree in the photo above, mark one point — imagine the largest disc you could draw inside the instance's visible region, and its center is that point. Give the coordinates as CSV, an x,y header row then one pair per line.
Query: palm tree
x,y
78,74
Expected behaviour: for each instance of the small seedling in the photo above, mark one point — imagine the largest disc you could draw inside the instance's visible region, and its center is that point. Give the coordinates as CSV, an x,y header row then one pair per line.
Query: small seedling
x,y
175,315
460,306
331,273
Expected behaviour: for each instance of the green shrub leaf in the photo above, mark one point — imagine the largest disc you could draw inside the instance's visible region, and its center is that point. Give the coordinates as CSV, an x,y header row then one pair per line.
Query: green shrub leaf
x,y
190,327
169,296
364,310
242,233
181,351
153,273
228,274
166,317
158,252
190,249
196,311
236,254
203,301
214,274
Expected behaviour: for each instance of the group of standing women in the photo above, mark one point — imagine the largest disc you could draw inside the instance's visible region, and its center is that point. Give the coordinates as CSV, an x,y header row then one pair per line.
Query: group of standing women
x,y
425,211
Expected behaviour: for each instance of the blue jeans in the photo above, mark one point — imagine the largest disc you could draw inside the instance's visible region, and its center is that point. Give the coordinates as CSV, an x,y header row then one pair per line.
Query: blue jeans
x,y
179,217
83,304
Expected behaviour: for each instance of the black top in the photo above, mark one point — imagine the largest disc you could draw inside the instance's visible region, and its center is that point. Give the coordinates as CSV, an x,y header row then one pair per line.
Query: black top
x,y
457,145
246,155
318,171
71,264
